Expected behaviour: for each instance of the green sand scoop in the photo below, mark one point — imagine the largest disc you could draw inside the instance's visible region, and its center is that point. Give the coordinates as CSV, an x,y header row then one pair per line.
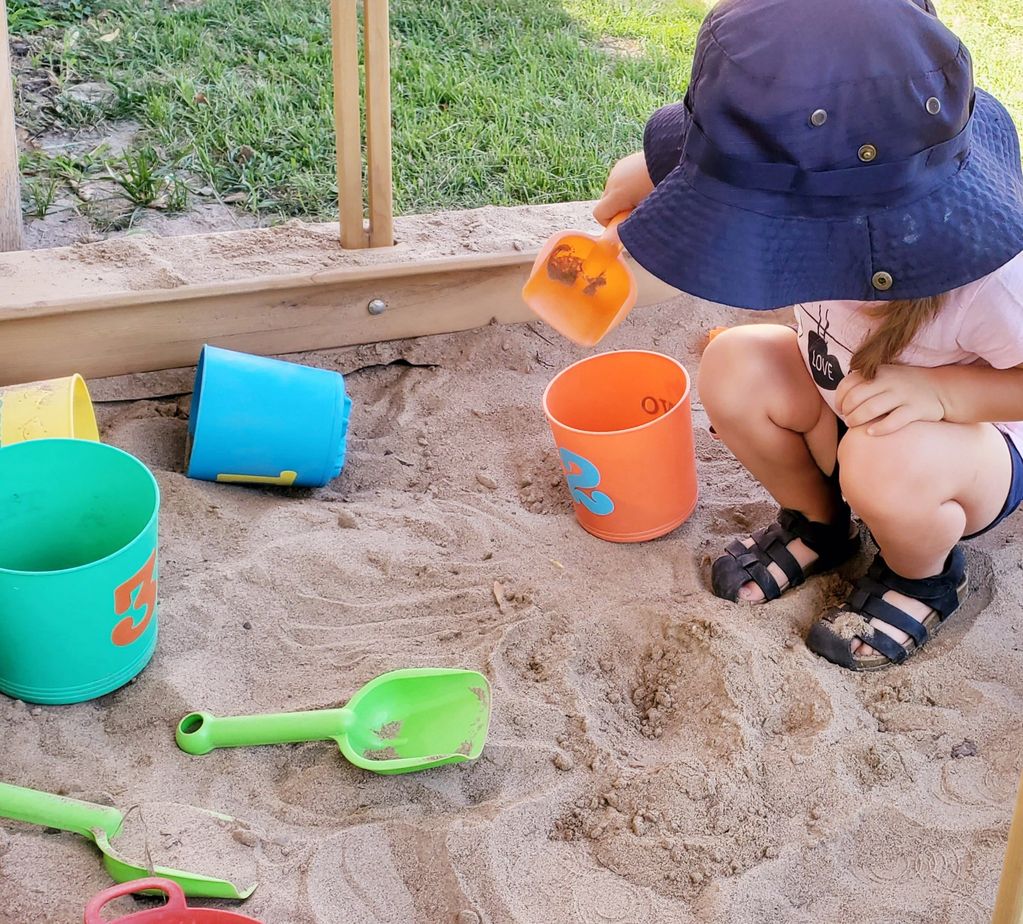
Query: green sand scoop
x,y
104,824
399,722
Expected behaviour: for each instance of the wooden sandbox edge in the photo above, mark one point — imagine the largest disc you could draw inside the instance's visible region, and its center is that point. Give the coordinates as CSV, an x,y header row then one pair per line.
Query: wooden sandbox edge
x,y
79,309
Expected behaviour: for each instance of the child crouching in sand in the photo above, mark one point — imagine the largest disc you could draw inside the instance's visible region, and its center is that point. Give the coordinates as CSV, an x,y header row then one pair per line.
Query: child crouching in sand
x,y
836,157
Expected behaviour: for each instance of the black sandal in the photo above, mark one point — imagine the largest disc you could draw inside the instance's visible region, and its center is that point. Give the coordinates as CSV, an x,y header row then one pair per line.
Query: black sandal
x,y
943,593
741,565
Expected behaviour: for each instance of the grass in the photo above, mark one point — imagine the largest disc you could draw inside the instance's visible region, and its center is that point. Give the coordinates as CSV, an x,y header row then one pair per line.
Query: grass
x,y
993,31
495,101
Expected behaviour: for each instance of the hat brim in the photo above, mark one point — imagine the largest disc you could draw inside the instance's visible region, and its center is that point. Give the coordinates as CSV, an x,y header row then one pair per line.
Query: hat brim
x,y
746,257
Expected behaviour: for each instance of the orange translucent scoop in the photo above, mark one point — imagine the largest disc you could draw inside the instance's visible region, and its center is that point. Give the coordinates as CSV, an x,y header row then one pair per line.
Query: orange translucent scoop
x,y
581,285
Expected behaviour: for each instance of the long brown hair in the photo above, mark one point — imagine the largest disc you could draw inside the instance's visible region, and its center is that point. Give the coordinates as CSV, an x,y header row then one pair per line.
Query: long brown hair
x,y
901,321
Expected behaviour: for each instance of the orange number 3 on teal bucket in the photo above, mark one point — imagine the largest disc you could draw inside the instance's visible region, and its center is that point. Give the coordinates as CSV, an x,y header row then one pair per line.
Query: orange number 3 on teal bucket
x,y
135,593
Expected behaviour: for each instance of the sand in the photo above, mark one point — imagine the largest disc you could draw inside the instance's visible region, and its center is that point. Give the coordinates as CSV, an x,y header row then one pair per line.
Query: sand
x,y
655,755
164,834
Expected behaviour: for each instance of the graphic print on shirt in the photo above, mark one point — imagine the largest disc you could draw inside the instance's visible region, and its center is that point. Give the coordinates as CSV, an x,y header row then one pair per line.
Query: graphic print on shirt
x,y
824,366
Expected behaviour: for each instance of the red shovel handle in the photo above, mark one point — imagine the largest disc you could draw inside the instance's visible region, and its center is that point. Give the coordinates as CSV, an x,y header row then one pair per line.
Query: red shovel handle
x,y
175,897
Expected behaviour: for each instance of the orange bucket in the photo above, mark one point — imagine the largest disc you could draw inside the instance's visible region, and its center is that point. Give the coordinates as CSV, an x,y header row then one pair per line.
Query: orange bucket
x,y
623,426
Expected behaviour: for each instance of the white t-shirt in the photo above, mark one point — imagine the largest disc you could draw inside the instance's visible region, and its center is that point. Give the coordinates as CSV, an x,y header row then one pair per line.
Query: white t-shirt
x,y
980,323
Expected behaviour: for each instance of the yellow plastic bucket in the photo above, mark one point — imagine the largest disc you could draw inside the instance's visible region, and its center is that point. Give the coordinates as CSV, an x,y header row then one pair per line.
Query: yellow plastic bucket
x,y
56,409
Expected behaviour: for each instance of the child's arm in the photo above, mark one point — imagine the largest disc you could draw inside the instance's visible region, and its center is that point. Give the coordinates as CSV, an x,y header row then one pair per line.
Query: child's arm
x,y
977,394
628,184
900,395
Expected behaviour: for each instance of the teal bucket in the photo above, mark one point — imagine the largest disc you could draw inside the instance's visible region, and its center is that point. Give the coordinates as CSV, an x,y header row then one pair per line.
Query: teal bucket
x,y
78,569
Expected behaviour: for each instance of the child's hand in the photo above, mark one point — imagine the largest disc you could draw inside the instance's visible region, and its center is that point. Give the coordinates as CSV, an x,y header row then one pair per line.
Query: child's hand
x,y
898,396
628,184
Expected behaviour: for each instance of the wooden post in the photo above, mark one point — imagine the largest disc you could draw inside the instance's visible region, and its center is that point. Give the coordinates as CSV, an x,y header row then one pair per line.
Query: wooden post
x,y
347,121
1009,904
378,123
348,124
10,182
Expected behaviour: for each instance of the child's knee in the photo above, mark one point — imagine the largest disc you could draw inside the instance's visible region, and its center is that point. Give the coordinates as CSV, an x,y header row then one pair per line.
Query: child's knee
x,y
882,474
740,362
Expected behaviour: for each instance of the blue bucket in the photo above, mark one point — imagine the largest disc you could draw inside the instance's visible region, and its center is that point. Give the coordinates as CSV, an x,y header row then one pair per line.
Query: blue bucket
x,y
256,420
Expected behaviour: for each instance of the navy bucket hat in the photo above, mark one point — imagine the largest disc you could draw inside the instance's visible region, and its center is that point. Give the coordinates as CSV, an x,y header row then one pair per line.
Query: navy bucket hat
x,y
828,149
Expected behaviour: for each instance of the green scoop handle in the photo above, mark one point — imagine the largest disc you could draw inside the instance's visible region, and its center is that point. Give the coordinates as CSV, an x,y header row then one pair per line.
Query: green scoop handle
x,y
201,732
42,808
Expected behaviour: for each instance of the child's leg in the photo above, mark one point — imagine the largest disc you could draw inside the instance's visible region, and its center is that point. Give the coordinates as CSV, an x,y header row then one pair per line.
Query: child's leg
x,y
920,490
767,410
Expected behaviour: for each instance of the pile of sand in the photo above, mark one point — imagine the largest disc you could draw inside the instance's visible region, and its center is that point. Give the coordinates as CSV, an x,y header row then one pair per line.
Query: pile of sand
x,y
656,755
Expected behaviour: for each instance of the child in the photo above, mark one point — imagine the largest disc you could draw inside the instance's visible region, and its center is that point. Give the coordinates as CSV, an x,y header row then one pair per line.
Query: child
x,y
835,157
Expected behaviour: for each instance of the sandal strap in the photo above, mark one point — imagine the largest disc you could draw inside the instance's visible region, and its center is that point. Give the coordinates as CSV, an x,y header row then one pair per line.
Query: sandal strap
x,y
885,644
940,593
821,538
741,564
865,602
754,562
774,541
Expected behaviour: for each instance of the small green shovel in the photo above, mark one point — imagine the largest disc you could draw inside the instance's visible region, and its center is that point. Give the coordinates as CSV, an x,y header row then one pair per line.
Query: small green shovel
x,y
102,824
399,722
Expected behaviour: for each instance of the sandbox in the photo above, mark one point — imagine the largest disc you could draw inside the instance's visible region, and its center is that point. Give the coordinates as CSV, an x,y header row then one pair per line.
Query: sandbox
x,y
655,754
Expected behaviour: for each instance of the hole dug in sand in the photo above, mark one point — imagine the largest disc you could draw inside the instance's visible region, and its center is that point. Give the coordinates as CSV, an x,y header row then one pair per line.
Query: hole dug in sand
x,y
671,689
675,828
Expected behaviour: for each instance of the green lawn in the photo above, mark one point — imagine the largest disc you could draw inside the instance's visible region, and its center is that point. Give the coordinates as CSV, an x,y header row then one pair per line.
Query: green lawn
x,y
495,101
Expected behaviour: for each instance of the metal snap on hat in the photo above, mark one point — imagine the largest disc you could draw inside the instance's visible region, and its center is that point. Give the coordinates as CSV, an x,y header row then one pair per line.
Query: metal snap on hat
x,y
828,151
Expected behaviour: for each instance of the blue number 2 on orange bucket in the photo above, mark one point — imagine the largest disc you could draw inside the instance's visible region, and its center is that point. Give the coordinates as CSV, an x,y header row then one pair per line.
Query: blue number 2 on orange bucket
x,y
583,476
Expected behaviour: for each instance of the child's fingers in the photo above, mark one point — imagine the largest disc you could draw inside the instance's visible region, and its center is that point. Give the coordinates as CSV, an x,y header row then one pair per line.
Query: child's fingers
x,y
871,409
901,417
605,210
848,383
855,396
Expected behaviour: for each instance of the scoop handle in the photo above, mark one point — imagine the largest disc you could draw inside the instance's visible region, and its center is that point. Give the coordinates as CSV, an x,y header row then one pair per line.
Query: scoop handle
x,y
42,808
605,250
615,222
200,732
